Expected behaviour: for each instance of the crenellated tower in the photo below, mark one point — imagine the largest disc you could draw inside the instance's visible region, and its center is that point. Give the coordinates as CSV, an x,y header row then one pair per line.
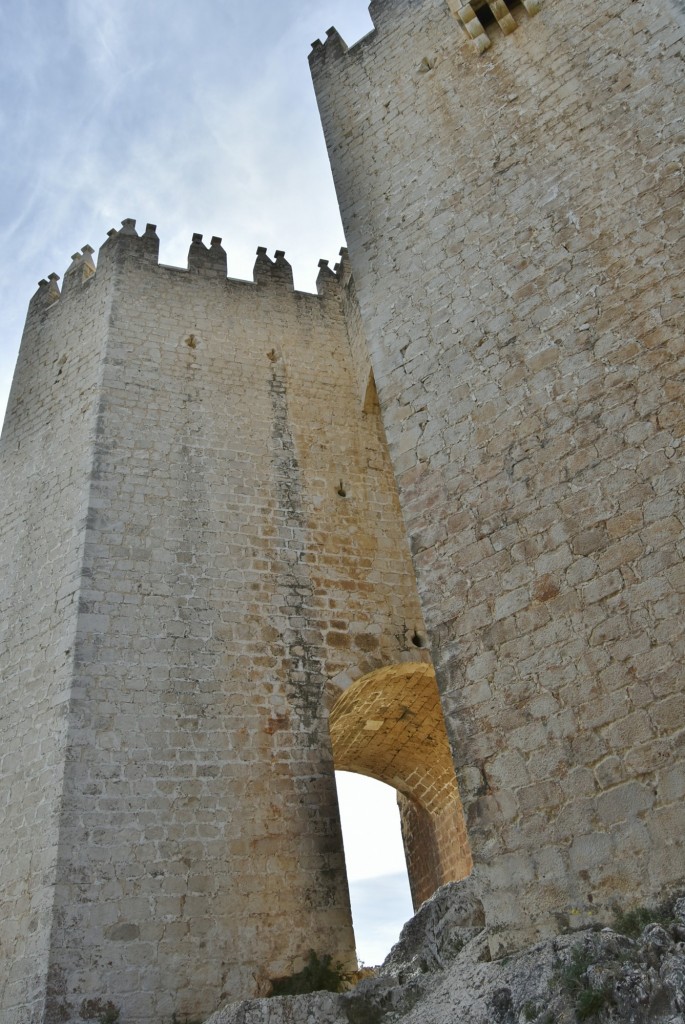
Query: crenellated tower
x,y
513,207
201,548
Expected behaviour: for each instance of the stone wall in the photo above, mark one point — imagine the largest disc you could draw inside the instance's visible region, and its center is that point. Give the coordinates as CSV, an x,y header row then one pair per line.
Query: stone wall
x,y
230,523
47,445
515,229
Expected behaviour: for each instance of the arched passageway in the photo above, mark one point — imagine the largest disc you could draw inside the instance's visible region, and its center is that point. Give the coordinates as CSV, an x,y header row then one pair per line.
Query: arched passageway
x,y
389,725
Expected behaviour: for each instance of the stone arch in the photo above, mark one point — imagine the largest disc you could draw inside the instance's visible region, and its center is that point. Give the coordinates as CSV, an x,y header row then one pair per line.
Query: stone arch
x,y
389,726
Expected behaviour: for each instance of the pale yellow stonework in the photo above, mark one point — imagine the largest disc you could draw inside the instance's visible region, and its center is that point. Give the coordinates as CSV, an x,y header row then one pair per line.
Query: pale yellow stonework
x,y
389,725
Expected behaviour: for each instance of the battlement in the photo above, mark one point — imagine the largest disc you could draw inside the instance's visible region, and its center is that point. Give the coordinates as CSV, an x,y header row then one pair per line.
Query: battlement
x,y
208,262
333,41
388,19
379,11
475,18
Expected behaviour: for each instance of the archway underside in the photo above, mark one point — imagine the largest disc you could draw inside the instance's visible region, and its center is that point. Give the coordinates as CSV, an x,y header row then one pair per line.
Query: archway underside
x,y
389,726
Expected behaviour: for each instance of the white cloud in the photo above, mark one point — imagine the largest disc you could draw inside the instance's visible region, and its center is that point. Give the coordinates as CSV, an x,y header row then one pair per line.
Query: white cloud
x,y
380,906
371,827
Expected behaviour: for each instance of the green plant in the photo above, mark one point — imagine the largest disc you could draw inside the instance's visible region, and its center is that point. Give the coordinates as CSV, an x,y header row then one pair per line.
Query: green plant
x,y
96,1009
318,975
175,1019
572,978
632,922
589,1002
530,1011
361,1011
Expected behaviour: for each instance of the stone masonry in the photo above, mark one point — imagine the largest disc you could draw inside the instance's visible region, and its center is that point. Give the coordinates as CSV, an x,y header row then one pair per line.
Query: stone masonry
x,y
207,543
389,725
200,536
514,216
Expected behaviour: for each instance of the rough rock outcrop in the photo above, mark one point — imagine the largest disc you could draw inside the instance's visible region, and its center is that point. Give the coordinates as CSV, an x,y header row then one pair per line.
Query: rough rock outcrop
x,y
440,972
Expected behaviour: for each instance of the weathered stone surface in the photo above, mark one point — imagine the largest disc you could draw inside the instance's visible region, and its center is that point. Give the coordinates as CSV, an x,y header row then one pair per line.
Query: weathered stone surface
x,y
201,535
627,980
181,583
516,233
432,939
318,1008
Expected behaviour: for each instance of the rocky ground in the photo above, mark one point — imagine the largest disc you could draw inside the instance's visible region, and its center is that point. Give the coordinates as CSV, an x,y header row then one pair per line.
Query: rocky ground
x,y
440,972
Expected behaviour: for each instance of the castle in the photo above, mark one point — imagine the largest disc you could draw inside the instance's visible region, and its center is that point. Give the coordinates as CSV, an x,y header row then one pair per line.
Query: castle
x,y
245,529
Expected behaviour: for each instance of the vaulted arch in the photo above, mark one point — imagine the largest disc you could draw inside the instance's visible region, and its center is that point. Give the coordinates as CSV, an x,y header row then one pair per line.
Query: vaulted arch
x,y
389,726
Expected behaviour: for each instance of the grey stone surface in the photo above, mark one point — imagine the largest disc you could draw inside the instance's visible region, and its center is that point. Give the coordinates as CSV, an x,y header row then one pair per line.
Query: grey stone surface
x,y
516,234
431,939
631,980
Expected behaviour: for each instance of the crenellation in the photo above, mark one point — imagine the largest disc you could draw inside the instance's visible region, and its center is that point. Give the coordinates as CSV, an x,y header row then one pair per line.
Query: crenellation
x,y
88,263
333,47
207,261
80,270
211,262
282,272
150,243
343,268
262,266
128,227
47,293
334,41
327,281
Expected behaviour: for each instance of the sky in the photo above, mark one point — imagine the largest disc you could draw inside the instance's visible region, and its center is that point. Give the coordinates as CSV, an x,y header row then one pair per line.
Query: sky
x,y
197,117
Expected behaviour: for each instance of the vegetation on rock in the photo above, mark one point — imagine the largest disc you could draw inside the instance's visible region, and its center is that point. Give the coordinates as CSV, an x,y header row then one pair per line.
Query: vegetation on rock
x,y
317,975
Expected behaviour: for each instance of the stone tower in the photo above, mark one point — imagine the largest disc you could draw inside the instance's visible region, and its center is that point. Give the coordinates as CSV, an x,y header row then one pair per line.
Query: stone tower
x,y
201,544
513,206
